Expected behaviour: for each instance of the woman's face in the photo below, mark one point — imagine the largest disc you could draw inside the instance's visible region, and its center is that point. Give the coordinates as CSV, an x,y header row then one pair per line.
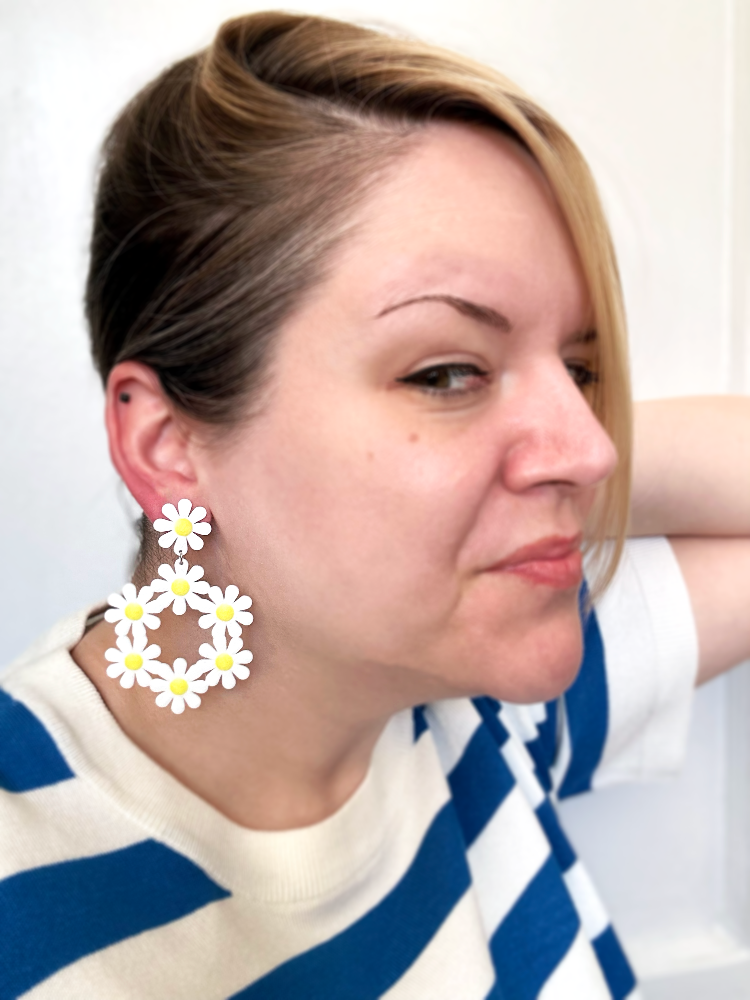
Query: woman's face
x,y
413,494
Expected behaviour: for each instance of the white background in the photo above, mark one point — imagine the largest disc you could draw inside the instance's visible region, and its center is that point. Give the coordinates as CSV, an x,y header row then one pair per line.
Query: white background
x,y
656,94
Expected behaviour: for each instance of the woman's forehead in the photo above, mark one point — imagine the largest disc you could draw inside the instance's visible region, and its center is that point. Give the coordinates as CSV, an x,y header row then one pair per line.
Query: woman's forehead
x,y
465,212
451,175
459,200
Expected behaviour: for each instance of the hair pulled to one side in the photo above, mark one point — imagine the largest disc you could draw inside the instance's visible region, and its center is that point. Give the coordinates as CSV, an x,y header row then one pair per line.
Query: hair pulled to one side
x,y
227,182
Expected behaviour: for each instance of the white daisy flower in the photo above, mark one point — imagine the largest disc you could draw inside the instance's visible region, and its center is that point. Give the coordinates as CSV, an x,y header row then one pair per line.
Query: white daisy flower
x,y
182,527
178,685
132,661
225,611
181,587
131,609
224,663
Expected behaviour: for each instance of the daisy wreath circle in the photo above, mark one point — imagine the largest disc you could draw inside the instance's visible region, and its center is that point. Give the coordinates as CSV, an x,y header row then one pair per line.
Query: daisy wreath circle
x,y
181,587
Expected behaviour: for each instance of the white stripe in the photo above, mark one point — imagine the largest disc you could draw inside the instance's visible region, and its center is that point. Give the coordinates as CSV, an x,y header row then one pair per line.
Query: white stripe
x,y
456,963
196,958
537,712
59,823
519,719
172,961
505,857
559,769
578,977
590,907
521,765
453,723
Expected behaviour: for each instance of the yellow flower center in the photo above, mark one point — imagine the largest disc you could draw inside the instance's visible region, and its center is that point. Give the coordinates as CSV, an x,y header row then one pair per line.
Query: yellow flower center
x,y
183,526
225,612
180,587
178,686
133,611
133,661
224,661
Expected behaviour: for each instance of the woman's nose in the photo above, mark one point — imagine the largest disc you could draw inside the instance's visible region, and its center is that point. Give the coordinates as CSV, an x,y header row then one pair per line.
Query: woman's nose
x,y
558,441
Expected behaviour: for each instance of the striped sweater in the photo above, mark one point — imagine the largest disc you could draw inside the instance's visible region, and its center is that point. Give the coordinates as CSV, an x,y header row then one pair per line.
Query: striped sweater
x,y
446,876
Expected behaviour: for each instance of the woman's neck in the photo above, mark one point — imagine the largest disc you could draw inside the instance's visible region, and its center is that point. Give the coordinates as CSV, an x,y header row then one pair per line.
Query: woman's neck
x,y
283,749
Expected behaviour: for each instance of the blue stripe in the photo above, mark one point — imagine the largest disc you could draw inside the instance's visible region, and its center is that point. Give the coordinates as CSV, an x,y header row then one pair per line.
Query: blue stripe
x,y
548,733
615,966
564,853
535,936
29,757
541,768
57,914
495,993
372,954
587,711
488,709
420,721
479,783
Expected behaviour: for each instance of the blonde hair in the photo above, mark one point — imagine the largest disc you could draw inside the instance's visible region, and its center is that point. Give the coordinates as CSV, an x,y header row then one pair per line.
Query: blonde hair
x,y
227,182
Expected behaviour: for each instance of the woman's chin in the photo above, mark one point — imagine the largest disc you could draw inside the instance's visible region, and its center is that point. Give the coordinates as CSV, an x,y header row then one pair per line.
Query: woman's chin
x,y
524,669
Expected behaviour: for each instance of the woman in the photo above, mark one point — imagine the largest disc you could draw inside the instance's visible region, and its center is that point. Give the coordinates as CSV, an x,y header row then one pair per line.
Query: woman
x,y
355,298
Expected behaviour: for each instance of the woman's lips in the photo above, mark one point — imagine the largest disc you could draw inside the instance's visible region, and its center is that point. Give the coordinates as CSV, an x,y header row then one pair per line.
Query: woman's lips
x,y
550,562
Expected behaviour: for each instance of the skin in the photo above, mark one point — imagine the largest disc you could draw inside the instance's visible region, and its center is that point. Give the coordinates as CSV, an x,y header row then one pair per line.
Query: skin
x,y
692,482
365,514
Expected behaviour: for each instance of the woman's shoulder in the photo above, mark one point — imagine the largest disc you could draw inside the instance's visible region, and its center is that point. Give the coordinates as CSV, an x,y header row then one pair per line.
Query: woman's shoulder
x,y
43,805
58,639
29,689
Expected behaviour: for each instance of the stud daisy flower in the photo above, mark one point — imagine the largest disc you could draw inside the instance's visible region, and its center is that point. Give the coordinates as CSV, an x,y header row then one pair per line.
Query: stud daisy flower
x,y
181,587
225,663
183,525
225,611
178,685
133,609
132,661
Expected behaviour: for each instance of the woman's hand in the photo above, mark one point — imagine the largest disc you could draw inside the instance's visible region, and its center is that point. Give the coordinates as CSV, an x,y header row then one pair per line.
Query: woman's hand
x,y
691,482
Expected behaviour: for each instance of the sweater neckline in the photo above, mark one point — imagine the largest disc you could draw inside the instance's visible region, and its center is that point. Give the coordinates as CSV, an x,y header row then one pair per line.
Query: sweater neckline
x,y
274,866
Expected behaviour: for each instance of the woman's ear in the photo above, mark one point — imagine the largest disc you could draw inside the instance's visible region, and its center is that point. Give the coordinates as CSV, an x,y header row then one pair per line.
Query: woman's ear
x,y
150,447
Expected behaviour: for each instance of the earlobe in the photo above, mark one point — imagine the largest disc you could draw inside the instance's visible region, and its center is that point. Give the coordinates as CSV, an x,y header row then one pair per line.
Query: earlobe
x,y
148,444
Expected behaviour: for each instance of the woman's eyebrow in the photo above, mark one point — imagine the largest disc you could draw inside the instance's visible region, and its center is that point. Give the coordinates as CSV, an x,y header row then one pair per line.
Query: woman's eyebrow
x,y
584,337
483,314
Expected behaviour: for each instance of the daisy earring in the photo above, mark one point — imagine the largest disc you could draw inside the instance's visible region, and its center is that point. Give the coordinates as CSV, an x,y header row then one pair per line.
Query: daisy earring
x,y
225,612
133,610
178,685
182,586
225,662
133,661
182,526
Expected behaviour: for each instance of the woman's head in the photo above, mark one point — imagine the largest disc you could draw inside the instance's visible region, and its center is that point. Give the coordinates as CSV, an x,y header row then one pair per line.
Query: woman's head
x,y
269,214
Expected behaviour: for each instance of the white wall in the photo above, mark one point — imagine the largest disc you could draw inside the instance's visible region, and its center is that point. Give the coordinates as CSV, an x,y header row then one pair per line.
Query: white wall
x,y
651,89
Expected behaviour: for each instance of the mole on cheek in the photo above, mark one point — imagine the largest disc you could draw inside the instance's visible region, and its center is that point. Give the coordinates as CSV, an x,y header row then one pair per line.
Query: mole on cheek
x,y
414,437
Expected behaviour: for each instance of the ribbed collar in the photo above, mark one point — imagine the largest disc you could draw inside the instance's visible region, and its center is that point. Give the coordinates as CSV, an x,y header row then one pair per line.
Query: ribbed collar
x,y
291,865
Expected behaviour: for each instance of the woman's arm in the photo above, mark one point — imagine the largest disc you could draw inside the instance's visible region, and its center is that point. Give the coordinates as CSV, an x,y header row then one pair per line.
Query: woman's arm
x,y
691,467
691,481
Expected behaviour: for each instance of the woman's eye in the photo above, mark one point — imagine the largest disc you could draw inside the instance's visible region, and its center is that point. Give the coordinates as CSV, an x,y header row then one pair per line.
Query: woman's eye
x,y
448,379
582,374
